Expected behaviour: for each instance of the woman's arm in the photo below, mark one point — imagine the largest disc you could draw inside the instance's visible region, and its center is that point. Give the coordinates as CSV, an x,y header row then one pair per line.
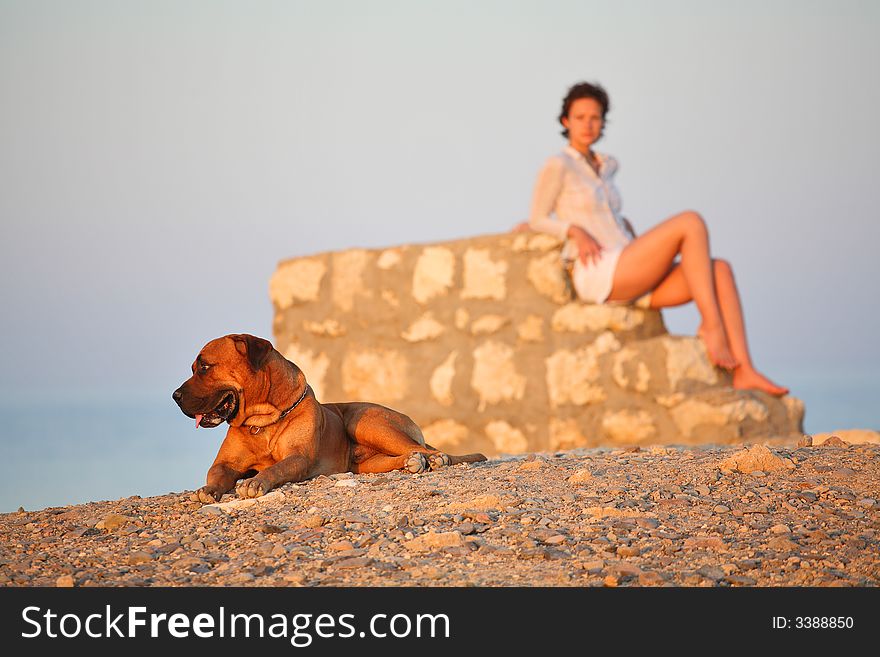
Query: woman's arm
x,y
547,189
588,248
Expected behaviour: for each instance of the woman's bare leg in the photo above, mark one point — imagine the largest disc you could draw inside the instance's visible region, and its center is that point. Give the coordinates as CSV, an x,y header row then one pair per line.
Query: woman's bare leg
x,y
673,291
647,260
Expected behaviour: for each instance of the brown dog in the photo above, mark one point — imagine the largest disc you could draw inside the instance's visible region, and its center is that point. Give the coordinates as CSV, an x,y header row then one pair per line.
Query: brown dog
x,y
278,432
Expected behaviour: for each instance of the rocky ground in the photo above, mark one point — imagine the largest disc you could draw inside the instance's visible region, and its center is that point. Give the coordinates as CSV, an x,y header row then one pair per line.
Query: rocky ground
x,y
662,516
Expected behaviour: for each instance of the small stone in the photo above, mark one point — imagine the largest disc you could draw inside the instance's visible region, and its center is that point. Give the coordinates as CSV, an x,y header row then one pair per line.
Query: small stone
x,y
783,544
339,546
65,581
434,540
651,578
703,489
624,569
740,580
610,581
720,508
867,502
628,551
294,578
465,528
113,521
580,477
594,567
270,529
758,473
556,539
139,556
211,510
805,441
834,441
705,542
711,572
313,521
780,529
354,562
347,483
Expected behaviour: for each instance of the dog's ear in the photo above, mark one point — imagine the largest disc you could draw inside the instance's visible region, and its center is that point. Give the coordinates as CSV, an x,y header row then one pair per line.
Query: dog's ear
x,y
256,349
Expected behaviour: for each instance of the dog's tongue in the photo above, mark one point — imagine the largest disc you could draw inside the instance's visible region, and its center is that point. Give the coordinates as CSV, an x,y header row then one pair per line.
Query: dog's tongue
x,y
199,420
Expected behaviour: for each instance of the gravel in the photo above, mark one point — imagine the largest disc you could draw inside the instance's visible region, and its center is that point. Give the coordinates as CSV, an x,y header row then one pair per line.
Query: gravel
x,y
664,516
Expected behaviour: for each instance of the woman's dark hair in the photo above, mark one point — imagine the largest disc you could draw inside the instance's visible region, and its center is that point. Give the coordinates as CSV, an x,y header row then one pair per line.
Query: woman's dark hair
x,y
584,90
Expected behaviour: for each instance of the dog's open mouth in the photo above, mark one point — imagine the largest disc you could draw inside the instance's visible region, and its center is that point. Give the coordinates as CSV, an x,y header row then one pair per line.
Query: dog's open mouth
x,y
225,409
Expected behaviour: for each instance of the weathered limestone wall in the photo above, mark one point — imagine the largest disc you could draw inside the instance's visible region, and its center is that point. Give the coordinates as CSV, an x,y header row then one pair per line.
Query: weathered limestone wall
x,y
479,342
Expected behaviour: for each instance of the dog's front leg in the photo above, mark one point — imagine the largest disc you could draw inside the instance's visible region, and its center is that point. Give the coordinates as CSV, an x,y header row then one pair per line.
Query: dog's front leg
x,y
293,468
221,479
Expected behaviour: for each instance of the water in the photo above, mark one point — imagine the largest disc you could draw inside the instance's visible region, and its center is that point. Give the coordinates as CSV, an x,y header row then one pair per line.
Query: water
x,y
105,448
87,450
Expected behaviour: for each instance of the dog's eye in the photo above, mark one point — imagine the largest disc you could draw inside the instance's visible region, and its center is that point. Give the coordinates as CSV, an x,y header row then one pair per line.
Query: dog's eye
x,y
203,368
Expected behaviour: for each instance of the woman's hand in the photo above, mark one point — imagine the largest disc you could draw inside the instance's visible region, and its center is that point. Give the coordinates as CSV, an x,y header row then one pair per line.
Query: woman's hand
x,y
588,248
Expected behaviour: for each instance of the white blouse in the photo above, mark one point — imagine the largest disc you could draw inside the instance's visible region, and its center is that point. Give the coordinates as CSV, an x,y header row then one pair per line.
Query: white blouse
x,y
569,188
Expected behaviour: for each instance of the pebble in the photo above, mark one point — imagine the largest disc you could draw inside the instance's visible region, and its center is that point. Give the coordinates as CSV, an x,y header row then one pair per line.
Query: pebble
x,y
581,477
314,521
712,572
338,546
113,521
211,510
65,581
139,556
650,578
354,562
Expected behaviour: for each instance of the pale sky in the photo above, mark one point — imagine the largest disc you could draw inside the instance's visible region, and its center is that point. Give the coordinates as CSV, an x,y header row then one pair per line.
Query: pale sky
x,y
158,158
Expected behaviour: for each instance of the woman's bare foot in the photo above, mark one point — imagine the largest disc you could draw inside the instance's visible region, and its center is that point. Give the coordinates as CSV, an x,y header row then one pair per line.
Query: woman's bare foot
x,y
747,378
716,343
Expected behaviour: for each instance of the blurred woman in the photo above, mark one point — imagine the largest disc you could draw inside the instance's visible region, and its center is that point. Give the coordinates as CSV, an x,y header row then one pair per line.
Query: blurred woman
x,y
576,200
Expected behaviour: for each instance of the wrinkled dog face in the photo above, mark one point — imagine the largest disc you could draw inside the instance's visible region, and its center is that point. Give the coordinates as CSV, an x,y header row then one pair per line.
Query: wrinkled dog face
x,y
214,392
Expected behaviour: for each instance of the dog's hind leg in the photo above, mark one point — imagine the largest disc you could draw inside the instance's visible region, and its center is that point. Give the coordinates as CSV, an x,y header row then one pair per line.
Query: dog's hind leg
x,y
442,459
414,462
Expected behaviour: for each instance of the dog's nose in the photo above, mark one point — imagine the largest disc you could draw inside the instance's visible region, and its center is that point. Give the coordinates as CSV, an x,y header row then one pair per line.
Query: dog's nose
x,y
176,395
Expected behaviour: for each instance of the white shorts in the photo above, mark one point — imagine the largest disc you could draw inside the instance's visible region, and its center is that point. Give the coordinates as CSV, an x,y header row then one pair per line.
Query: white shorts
x,y
593,282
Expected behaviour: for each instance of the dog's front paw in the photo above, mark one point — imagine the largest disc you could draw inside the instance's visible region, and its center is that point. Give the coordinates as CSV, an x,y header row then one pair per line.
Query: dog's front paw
x,y
207,495
251,488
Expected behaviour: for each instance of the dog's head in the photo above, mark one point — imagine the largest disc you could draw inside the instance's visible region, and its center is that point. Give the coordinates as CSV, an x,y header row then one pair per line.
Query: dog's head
x,y
231,376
